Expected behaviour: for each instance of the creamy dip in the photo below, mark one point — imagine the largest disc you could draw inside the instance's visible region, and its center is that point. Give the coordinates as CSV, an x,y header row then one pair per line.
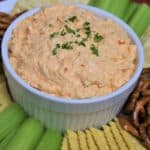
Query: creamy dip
x,y
70,52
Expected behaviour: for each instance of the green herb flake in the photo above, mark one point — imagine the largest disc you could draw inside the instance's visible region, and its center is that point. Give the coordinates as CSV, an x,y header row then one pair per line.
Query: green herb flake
x,y
98,37
77,30
52,35
73,18
86,24
54,51
57,45
88,33
87,29
76,42
62,33
82,43
69,30
94,50
67,45
78,35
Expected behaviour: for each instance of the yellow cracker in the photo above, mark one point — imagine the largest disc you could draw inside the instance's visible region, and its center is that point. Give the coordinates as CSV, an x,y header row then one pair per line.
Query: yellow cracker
x,y
72,140
90,141
82,140
122,145
65,144
5,99
28,4
109,136
99,138
130,140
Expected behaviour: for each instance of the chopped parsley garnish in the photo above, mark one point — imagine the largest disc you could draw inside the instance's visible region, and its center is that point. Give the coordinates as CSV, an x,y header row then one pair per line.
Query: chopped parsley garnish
x,y
79,40
88,33
73,18
54,51
78,30
87,29
67,45
84,39
62,33
94,50
52,35
76,42
86,24
82,43
78,35
58,45
98,37
69,30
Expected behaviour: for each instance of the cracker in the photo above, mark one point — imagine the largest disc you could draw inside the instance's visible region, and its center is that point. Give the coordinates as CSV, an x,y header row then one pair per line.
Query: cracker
x,y
130,140
121,144
90,141
65,144
82,140
99,138
72,140
25,4
109,136
5,99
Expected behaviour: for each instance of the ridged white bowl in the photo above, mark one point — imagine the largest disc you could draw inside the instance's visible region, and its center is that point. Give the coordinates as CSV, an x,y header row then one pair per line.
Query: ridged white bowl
x,y
60,113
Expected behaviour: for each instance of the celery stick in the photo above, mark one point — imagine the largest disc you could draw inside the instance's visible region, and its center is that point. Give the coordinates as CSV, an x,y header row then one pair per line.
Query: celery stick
x,y
51,140
119,7
27,136
131,10
92,2
10,118
141,19
5,141
103,4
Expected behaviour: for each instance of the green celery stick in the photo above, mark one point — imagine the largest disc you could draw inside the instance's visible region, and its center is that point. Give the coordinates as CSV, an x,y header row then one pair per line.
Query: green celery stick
x,y
119,7
51,140
130,11
10,118
8,138
92,2
27,136
141,19
103,4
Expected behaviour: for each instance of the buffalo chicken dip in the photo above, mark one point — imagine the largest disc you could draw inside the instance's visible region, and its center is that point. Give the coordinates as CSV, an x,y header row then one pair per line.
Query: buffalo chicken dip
x,y
69,52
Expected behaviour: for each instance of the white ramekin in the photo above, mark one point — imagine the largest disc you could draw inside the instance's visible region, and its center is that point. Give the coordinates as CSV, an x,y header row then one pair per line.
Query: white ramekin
x,y
60,113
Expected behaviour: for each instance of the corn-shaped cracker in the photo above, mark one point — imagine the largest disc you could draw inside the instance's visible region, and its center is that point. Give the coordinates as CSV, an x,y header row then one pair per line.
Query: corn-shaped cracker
x,y
73,140
99,138
109,136
90,141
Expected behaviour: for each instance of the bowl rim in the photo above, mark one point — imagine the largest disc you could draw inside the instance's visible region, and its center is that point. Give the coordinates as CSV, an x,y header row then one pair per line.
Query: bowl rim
x,y
97,11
